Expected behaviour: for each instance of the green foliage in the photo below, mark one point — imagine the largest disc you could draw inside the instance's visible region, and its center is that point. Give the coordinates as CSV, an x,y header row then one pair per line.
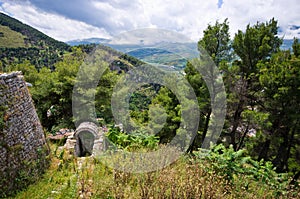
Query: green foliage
x,y
280,79
296,47
133,140
20,42
166,99
197,82
262,86
139,103
70,177
54,89
216,42
234,166
104,94
158,117
256,44
45,57
252,47
59,181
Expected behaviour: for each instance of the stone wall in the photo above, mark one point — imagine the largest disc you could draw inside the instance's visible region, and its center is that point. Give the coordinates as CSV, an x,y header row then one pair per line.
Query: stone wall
x,y
23,148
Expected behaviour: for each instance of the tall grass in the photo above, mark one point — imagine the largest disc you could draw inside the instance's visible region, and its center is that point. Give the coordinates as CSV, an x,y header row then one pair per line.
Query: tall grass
x,y
188,177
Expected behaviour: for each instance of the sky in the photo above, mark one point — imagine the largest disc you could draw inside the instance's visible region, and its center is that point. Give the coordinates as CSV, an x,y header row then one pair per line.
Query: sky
x,y
67,20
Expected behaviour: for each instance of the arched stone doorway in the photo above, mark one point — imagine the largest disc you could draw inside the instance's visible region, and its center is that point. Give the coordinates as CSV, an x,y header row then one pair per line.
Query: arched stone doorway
x,y
86,134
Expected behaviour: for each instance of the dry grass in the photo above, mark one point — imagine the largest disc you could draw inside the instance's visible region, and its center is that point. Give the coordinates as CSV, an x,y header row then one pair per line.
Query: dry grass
x,y
70,177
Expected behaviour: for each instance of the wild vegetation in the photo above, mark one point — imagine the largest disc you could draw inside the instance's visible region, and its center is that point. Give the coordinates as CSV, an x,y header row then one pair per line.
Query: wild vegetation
x,y
227,175
258,153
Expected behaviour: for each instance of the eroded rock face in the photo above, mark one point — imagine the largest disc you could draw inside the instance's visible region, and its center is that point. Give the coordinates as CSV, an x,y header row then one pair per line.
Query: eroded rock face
x,y
23,147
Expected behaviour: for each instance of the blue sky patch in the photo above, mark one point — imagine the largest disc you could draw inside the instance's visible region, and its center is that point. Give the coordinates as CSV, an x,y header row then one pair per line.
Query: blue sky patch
x,y
220,3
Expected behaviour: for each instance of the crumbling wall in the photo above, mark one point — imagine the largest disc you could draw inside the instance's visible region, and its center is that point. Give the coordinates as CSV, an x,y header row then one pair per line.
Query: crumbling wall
x,y
23,148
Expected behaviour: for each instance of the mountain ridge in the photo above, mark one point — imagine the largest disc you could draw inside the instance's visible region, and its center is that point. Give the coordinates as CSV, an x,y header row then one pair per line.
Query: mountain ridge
x,y
32,36
20,42
175,55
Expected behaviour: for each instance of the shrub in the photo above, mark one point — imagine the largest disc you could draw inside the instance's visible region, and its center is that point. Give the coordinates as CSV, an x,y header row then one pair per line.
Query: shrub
x,y
132,141
242,171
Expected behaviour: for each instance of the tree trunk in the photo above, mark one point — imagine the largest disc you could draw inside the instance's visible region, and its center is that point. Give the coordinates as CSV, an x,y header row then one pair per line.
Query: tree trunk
x,y
290,144
295,178
243,138
206,125
236,122
264,151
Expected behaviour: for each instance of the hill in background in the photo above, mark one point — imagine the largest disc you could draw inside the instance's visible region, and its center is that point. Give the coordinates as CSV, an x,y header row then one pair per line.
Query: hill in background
x,y
10,38
20,42
172,55
13,28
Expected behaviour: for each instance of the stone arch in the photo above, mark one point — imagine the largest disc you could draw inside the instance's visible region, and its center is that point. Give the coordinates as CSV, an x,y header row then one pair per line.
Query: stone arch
x,y
86,134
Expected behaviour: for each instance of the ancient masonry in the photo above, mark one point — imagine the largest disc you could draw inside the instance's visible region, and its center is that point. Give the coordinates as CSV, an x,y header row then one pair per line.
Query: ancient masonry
x,y
23,148
88,139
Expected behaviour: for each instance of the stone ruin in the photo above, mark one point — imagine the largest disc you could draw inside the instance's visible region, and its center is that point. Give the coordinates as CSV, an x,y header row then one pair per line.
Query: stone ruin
x,y
89,139
23,147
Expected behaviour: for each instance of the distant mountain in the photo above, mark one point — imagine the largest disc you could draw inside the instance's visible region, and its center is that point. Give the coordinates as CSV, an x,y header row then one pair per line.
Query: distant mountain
x,y
88,41
146,52
174,55
14,31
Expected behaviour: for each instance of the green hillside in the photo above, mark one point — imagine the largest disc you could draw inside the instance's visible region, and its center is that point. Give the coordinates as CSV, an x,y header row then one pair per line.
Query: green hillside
x,y
20,42
159,56
33,37
10,38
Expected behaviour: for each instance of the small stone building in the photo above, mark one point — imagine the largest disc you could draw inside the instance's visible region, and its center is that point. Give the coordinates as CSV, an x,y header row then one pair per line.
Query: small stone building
x,y
23,148
89,139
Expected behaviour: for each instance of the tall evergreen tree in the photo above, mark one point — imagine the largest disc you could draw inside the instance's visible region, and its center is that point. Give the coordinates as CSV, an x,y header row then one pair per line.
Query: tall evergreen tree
x,y
216,45
253,46
280,79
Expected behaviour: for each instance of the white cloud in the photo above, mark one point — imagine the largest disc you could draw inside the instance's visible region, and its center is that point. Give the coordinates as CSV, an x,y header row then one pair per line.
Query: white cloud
x,y
242,12
53,25
111,17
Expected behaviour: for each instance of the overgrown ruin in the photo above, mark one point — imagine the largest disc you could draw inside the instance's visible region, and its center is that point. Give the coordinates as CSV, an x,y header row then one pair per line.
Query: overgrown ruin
x,y
89,139
23,147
